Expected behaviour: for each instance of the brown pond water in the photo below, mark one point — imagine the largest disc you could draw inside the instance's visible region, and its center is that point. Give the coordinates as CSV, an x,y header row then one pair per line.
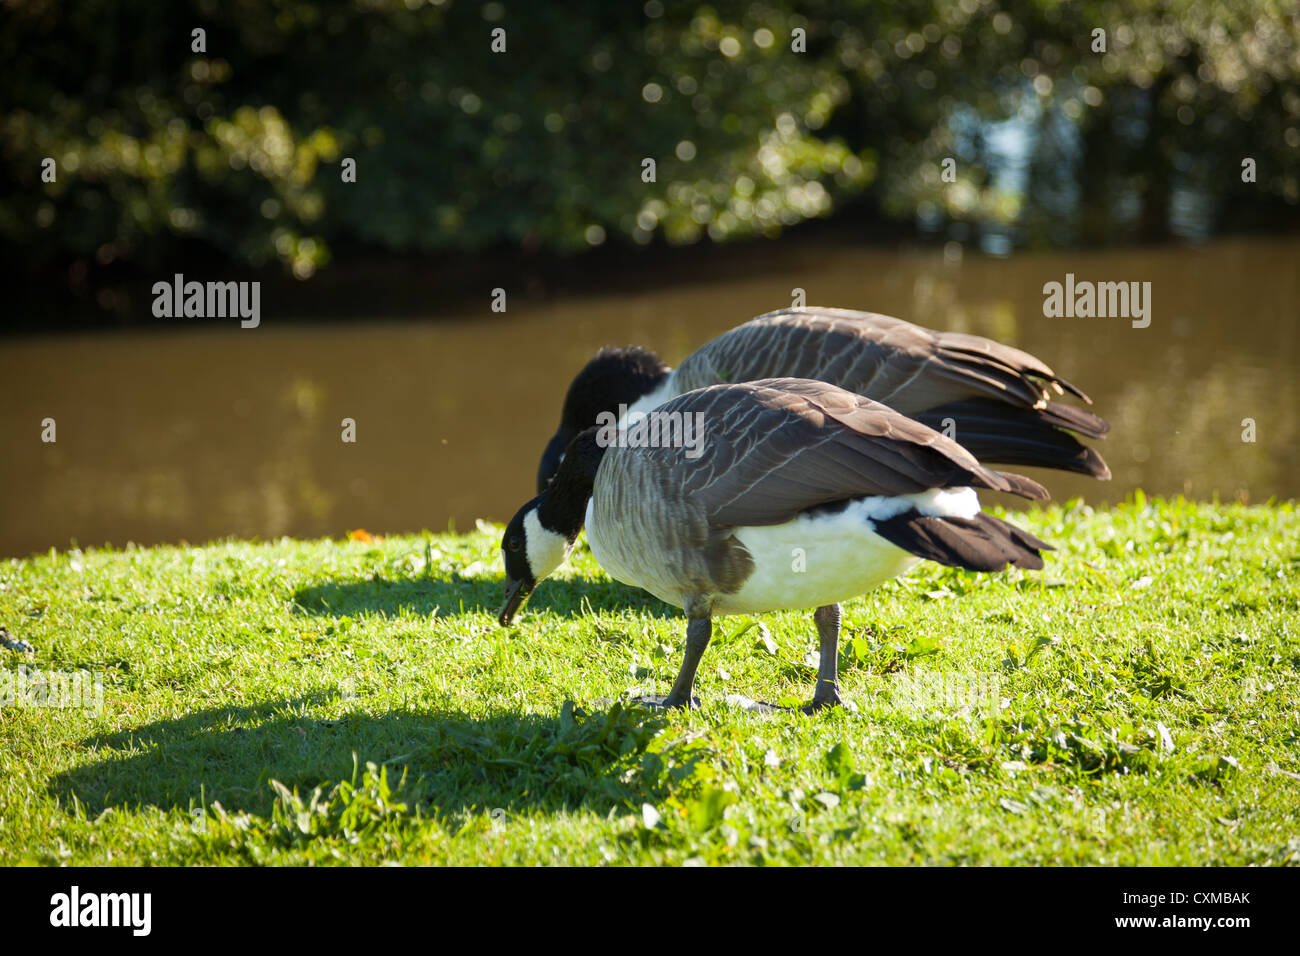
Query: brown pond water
x,y
209,432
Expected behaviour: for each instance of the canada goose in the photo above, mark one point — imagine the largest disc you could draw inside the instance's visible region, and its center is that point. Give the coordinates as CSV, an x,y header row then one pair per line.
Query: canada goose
x,y
997,397
787,468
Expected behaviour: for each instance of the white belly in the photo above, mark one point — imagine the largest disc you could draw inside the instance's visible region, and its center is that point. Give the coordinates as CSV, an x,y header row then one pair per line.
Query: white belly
x,y
813,560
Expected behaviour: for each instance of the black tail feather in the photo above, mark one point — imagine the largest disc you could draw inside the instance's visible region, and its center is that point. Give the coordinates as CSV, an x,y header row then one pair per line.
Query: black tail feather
x,y
1007,434
1074,418
982,543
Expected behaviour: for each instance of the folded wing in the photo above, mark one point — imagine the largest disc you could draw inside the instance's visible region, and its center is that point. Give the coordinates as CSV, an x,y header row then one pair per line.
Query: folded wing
x,y
774,448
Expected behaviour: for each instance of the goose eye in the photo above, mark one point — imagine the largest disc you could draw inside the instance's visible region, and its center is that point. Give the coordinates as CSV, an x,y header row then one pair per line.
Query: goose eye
x,y
514,544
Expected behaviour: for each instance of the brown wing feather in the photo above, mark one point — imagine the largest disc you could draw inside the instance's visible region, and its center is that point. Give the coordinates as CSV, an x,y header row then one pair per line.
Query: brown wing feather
x,y
907,367
774,448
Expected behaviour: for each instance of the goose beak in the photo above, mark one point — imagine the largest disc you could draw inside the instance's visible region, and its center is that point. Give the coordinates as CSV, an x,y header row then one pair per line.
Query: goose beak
x,y
516,591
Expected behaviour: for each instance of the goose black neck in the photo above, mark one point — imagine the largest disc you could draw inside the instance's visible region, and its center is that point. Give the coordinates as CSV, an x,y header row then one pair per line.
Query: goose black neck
x,y
614,377
563,506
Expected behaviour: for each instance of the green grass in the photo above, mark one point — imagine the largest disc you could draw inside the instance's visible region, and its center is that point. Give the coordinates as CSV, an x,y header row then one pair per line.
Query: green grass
x,y
342,702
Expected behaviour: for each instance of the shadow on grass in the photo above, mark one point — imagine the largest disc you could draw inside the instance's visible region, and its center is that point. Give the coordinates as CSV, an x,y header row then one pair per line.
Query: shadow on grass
x,y
453,596
456,764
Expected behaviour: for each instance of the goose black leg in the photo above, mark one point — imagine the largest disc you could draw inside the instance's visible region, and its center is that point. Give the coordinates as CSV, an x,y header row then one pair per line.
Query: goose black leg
x,y
827,694
698,632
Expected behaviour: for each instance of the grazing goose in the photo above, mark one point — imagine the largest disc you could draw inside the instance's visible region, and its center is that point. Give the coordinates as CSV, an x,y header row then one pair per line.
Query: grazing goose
x,y
997,396
800,495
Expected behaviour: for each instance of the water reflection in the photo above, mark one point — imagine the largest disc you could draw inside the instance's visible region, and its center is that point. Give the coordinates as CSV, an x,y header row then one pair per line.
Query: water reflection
x,y
207,433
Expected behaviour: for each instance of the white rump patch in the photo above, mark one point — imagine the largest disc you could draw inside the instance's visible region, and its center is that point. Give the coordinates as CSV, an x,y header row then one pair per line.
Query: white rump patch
x,y
937,503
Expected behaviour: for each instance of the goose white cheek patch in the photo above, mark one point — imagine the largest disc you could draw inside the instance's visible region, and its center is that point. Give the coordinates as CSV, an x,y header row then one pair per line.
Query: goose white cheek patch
x,y
546,549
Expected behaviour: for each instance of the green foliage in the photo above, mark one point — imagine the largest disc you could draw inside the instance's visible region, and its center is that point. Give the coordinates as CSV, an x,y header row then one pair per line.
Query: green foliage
x,y
460,149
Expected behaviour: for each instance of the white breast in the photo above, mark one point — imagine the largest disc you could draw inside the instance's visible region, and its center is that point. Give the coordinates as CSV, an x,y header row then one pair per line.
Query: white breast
x,y
626,561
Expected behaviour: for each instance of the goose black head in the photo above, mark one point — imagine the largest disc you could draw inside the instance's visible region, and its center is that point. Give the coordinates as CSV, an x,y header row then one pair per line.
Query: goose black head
x,y
532,551
614,377
541,535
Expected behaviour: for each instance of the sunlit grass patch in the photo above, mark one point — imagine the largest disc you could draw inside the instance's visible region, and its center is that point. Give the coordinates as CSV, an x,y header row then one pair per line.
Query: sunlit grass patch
x,y
326,701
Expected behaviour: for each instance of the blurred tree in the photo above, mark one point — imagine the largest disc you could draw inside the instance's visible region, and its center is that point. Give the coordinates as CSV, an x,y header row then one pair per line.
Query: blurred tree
x,y
457,147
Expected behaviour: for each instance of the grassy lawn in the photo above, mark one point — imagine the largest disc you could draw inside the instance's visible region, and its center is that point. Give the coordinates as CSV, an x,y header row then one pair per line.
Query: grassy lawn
x,y
355,702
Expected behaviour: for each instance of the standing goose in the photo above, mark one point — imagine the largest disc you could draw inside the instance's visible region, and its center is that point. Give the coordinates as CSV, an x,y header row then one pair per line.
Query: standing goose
x,y
998,397
786,467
